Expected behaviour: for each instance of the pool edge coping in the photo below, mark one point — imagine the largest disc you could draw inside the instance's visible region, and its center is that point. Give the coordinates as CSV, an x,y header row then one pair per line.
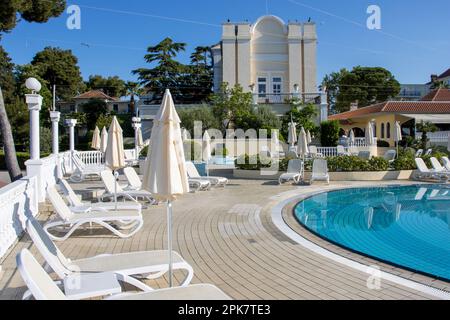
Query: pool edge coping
x,y
287,230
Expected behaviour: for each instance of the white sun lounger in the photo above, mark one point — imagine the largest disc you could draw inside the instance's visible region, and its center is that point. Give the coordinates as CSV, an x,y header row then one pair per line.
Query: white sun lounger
x,y
446,162
82,170
67,221
133,195
294,172
341,151
76,205
320,171
313,153
419,153
390,156
438,167
144,264
429,152
194,175
134,182
42,286
425,173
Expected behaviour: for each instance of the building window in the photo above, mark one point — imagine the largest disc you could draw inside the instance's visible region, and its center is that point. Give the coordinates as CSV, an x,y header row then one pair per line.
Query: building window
x,y
115,107
72,108
276,85
388,130
262,87
382,131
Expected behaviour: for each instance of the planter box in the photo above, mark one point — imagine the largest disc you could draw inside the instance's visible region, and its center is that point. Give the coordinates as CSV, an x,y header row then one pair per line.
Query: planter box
x,y
334,176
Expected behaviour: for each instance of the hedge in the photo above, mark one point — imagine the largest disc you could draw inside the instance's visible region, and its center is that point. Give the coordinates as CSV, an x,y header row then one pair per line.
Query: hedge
x,y
22,157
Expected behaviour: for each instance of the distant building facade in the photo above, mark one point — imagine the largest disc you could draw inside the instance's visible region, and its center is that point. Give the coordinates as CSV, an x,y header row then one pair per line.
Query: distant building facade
x,y
270,58
76,104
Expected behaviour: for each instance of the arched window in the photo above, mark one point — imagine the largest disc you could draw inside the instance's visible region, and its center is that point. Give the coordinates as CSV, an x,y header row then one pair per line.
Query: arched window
x,y
388,130
382,131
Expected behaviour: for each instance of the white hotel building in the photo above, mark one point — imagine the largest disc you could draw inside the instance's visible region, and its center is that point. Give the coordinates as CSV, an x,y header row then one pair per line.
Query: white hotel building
x,y
272,59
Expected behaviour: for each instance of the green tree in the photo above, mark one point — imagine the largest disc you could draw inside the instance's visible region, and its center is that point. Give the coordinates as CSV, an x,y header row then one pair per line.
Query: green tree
x,y
204,114
200,74
303,115
31,11
59,67
166,71
329,133
133,89
93,109
439,84
229,104
425,128
112,86
365,85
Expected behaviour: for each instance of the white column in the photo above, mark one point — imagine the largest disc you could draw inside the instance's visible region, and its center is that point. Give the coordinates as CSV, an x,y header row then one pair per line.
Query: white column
x,y
136,126
71,123
323,105
34,165
55,116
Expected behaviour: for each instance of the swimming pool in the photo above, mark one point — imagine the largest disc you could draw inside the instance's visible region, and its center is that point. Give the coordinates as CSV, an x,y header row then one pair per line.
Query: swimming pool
x,y
408,226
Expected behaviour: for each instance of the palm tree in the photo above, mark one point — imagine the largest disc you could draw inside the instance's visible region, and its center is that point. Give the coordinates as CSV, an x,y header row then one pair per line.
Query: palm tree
x,y
133,89
165,73
12,164
438,84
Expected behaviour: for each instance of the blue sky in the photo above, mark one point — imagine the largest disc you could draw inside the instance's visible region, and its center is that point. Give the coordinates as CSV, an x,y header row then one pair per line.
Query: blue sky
x,y
413,41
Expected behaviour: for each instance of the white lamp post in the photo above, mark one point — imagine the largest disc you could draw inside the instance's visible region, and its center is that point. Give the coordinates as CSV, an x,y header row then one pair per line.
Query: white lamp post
x,y
71,123
34,103
136,126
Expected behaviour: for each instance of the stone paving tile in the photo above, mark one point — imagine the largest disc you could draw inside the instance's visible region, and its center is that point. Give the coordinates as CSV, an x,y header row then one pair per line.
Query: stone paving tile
x,y
228,237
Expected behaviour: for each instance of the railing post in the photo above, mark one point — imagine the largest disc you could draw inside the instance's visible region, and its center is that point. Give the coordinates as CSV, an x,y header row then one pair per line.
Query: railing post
x,y
71,123
34,165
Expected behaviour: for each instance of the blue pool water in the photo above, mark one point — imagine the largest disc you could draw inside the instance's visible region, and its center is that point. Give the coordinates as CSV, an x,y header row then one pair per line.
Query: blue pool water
x,y
406,226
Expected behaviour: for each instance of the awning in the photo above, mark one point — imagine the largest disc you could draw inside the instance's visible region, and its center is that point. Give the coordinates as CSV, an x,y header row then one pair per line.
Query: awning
x,y
433,118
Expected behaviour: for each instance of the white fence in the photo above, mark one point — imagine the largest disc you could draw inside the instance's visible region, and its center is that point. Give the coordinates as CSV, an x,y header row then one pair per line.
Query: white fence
x,y
92,157
361,142
435,137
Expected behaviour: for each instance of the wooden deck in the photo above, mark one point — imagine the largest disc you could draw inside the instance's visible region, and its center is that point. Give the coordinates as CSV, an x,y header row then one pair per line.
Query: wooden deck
x,y
227,235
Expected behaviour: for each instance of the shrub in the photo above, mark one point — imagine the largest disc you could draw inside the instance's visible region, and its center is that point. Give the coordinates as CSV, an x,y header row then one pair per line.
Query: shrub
x,y
22,157
329,133
144,151
378,164
383,144
220,151
255,162
405,161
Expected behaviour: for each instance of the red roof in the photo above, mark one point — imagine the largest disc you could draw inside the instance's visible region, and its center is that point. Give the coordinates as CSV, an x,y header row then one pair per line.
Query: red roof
x,y
445,74
438,95
95,94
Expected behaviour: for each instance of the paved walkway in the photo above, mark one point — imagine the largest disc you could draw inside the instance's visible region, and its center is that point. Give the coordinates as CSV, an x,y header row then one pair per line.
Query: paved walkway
x,y
228,237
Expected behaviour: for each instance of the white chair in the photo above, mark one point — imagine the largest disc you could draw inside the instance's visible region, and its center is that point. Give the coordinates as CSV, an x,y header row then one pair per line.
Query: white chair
x,y
67,221
341,151
365,155
390,156
294,172
446,163
320,171
134,182
429,152
139,265
419,153
76,205
112,187
130,159
425,173
438,167
313,153
82,170
194,175
42,286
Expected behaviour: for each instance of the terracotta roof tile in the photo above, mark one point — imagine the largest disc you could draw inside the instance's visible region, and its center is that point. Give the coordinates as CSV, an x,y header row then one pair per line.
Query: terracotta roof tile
x,y
406,107
438,95
95,94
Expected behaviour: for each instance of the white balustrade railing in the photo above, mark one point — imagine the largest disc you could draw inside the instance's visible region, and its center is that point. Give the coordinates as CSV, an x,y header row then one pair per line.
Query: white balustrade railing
x,y
435,137
361,142
327,151
19,201
92,157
